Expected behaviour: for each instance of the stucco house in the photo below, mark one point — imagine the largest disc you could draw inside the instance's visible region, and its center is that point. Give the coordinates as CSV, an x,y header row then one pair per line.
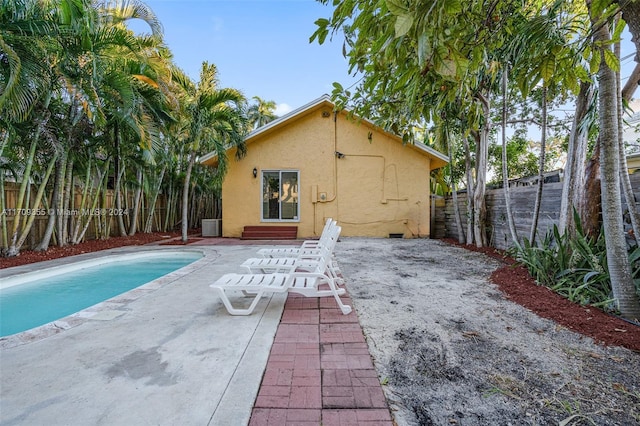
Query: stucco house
x,y
314,163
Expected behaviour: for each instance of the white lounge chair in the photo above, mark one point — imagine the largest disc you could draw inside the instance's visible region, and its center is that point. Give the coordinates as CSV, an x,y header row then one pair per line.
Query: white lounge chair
x,y
307,283
306,259
306,245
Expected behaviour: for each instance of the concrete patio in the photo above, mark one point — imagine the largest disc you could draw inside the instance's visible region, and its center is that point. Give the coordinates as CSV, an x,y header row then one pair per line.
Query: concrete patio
x,y
168,353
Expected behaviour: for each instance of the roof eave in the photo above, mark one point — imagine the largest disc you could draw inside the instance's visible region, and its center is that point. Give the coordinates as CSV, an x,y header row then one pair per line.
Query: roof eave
x,y
438,161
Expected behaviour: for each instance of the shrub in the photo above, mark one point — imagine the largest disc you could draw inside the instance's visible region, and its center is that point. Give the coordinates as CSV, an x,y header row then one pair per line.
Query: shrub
x,y
575,267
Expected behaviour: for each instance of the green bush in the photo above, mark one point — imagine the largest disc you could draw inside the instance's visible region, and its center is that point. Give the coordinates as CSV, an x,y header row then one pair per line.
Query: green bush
x,y
576,268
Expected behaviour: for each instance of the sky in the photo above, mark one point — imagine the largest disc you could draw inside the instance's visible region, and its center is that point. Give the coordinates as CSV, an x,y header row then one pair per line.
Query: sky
x,y
260,47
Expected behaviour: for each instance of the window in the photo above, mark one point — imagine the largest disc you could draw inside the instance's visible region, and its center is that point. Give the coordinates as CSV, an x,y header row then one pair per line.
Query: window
x,y
280,195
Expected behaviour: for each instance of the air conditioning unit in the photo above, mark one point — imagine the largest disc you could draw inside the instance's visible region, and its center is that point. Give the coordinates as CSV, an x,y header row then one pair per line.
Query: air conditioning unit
x,y
211,227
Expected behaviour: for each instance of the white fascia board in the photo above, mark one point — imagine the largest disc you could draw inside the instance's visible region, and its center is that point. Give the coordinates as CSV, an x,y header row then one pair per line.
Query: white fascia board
x,y
431,151
289,115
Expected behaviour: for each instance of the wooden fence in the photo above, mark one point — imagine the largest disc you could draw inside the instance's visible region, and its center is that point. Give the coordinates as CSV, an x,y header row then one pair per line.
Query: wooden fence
x,y
105,207
522,204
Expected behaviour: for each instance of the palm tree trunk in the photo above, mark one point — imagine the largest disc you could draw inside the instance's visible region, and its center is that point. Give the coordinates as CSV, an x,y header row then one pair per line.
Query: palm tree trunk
x,y
105,220
185,196
56,202
26,177
624,291
83,203
36,205
3,201
169,209
574,171
194,206
118,202
148,227
3,216
103,179
133,226
543,146
66,203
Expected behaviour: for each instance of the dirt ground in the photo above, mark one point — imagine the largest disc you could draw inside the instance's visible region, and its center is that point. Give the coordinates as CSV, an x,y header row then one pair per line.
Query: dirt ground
x,y
452,349
465,338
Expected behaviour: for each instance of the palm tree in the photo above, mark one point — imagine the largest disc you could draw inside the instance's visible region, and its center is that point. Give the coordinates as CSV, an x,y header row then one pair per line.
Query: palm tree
x,y
29,36
624,291
261,112
77,63
215,124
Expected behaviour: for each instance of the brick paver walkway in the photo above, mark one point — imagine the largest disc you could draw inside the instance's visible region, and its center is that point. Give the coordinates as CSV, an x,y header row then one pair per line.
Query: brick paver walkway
x,y
319,370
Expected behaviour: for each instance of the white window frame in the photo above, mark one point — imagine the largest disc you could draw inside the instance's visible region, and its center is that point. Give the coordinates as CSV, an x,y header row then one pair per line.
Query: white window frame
x,y
280,172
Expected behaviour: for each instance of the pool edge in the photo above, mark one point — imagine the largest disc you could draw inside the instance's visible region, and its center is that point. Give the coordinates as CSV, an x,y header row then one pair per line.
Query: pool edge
x,y
87,314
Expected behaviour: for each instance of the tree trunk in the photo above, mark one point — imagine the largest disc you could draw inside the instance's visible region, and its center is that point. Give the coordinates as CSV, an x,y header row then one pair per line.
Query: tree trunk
x,y
631,15
573,184
36,205
627,189
104,219
185,196
103,179
470,188
56,202
66,203
505,171
118,203
543,145
479,205
26,177
148,227
454,196
624,291
3,216
133,226
169,209
632,84
591,204
83,203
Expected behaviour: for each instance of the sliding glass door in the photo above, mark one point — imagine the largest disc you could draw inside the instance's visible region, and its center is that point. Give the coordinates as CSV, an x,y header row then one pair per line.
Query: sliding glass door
x,y
280,195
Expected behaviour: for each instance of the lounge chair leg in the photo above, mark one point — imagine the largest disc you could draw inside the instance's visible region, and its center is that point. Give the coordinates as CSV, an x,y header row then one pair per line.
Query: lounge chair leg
x,y
346,309
234,311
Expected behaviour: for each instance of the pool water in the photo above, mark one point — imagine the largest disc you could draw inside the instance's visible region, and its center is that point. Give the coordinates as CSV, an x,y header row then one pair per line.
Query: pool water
x,y
38,302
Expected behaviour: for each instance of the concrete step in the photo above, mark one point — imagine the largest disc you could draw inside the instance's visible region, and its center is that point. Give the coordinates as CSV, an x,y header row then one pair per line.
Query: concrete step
x,y
266,232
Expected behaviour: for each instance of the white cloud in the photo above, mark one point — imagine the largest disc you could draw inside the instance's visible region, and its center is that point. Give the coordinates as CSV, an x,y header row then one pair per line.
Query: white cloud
x,y
282,109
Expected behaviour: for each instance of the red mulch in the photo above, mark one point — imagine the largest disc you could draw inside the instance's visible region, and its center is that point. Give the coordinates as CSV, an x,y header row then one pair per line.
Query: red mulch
x,y
54,252
513,280
518,286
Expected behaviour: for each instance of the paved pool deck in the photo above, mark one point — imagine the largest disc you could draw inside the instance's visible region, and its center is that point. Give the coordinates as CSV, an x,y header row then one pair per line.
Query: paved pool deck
x,y
168,353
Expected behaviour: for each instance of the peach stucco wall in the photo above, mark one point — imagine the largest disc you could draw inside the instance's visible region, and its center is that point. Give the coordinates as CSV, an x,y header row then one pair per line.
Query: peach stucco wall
x,y
379,187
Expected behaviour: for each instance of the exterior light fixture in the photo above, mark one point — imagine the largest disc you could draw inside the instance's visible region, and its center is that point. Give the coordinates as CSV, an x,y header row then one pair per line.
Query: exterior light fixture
x,y
255,173
339,154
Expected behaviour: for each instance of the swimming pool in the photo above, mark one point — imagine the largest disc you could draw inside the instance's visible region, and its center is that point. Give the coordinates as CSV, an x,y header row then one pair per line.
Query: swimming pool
x,y
37,298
